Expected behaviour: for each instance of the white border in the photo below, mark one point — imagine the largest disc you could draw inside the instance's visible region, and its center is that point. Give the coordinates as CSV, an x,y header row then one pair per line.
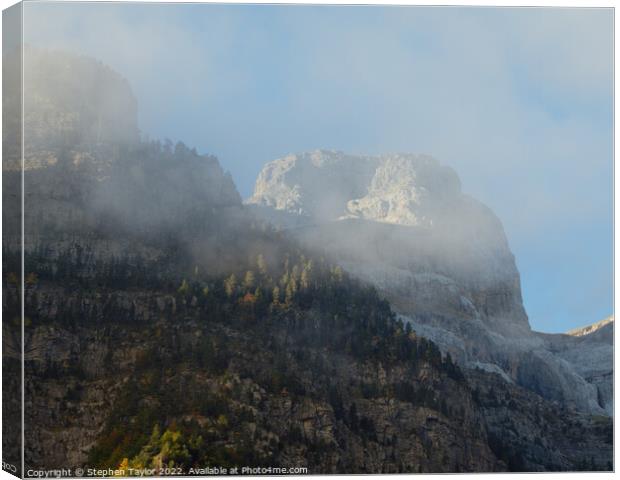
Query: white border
x,y
481,3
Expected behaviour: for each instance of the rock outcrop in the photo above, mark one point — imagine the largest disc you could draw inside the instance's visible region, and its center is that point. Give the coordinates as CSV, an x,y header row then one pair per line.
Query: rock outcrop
x,y
601,326
590,351
440,257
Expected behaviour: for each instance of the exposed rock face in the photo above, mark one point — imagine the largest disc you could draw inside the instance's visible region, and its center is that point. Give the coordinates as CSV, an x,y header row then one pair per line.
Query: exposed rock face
x,y
590,351
402,222
79,378
411,190
595,327
531,434
440,257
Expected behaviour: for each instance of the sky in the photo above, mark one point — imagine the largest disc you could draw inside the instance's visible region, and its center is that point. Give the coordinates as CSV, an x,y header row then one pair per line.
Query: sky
x,y
517,100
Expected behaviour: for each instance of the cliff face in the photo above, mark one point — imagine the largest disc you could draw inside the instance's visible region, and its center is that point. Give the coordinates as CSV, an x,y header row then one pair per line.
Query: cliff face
x,y
590,350
402,223
261,396
531,434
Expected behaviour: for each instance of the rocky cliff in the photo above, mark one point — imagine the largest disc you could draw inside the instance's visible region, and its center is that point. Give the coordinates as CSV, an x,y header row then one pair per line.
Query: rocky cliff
x,y
590,352
441,257
256,393
601,327
402,222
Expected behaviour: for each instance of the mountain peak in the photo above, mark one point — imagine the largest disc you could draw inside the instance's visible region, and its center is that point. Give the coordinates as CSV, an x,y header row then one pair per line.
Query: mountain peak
x,y
410,218
588,329
75,100
404,189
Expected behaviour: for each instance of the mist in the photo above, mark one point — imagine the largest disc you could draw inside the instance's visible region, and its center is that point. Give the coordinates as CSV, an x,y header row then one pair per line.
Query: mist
x,y
517,101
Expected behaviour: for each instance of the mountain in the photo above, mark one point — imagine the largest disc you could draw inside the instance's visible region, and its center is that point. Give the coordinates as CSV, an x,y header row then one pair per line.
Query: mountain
x,y
588,329
55,113
402,223
168,326
591,353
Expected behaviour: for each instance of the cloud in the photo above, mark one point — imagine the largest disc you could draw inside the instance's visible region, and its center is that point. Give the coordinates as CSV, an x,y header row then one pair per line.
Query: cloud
x,y
473,93
167,64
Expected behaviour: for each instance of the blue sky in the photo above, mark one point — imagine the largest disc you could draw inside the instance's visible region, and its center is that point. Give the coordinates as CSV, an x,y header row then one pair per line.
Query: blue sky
x,y
518,101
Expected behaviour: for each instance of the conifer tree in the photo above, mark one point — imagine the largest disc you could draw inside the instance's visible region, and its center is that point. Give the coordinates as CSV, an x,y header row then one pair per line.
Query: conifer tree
x,y
276,296
184,288
249,280
230,285
261,264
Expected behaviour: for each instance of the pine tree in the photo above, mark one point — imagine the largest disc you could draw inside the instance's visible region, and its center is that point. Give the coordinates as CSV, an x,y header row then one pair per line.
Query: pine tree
x,y
249,280
295,273
305,277
230,285
337,274
184,288
276,296
123,468
261,264
291,289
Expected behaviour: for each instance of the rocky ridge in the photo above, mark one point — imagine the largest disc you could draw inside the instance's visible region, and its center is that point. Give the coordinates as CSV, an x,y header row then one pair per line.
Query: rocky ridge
x,y
588,329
